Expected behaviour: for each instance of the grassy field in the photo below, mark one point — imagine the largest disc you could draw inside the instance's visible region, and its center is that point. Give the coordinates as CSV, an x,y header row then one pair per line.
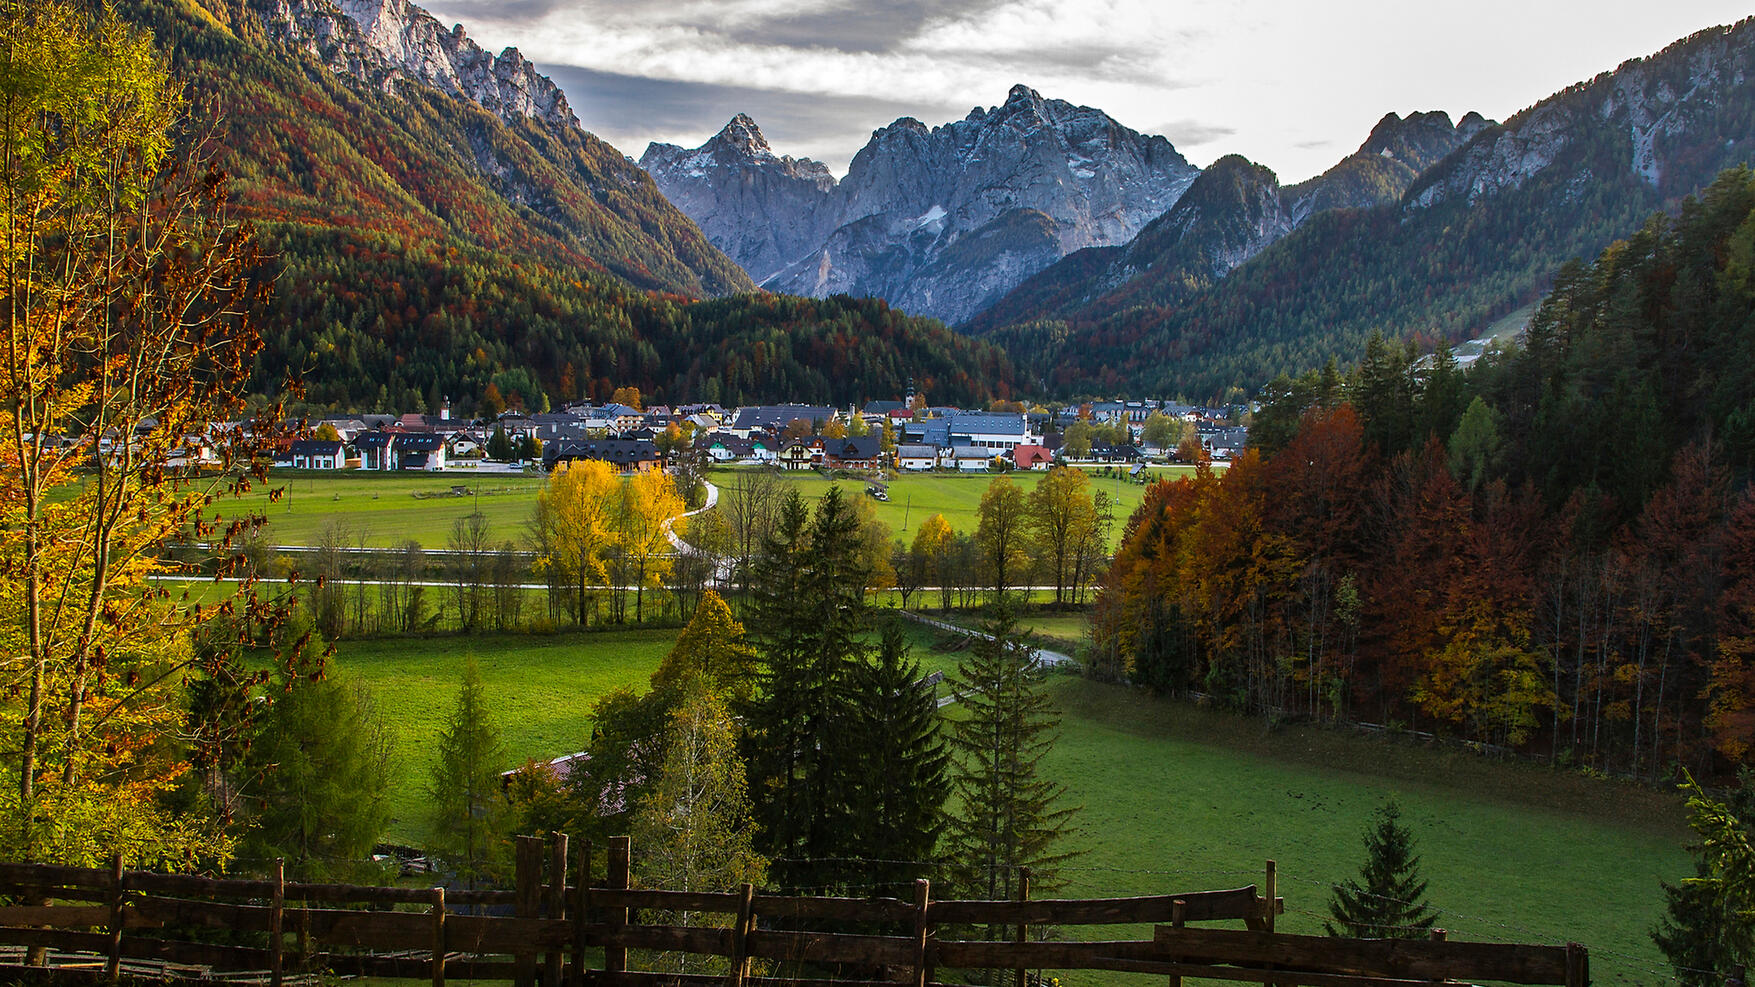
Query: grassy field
x,y
540,688
386,508
914,498
1175,797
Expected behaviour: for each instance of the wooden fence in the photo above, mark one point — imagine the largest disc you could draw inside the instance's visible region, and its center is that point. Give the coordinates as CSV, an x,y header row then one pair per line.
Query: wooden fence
x,y
548,930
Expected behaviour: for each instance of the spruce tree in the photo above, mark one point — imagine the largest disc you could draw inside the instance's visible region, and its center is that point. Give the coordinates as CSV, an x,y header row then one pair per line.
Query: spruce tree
x,y
1012,816
320,763
1388,902
807,622
1704,932
901,761
464,793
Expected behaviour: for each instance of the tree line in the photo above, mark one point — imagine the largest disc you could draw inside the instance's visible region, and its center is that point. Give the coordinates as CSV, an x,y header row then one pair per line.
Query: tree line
x,y
1548,551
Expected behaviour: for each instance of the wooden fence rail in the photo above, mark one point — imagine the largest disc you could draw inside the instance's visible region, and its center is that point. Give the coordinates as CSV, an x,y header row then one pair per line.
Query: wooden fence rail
x,y
548,929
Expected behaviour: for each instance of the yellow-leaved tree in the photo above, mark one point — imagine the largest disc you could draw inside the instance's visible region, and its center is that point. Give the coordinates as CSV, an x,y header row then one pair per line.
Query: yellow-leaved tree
x,y
574,528
650,503
122,367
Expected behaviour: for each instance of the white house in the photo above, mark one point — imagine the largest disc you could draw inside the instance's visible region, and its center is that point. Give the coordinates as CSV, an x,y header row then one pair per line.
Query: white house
x,y
319,454
916,457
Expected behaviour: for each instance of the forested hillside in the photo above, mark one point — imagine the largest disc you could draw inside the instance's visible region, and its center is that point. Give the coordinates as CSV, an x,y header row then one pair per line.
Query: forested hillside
x,y
379,322
1479,235
421,245
1554,551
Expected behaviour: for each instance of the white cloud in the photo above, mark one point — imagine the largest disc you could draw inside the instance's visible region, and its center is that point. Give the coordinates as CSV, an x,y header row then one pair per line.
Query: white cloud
x,y
1284,82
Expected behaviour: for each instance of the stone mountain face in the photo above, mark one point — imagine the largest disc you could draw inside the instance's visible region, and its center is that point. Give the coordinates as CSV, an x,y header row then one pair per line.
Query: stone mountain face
x,y
394,39
1478,236
735,177
1232,212
368,115
941,221
1666,112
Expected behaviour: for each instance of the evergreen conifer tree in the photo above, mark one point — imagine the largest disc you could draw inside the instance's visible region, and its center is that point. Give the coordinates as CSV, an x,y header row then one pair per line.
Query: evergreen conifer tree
x,y
499,445
902,762
807,620
1389,900
464,792
1012,816
1706,930
321,762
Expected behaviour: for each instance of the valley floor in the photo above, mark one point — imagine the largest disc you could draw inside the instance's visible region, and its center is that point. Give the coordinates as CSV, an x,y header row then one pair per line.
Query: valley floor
x,y
1174,797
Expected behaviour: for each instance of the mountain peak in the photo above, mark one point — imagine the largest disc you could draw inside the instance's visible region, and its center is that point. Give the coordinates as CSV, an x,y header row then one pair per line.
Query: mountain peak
x,y
1021,92
743,134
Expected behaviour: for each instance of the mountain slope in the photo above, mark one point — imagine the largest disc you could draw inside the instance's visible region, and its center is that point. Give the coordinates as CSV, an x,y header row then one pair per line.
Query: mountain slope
x,y
436,221
1476,236
1027,181
1232,212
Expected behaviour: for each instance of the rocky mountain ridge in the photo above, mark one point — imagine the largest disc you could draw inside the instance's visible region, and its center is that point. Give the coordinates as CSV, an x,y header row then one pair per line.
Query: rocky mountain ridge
x,y
940,221
1475,238
381,42
1233,211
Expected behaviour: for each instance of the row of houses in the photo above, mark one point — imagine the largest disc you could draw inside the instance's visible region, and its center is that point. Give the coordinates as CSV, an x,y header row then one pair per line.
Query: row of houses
x,y
787,435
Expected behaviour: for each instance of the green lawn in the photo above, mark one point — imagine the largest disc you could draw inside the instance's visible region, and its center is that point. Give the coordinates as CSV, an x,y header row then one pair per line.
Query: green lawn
x,y
387,508
1174,797
540,688
916,497
1177,798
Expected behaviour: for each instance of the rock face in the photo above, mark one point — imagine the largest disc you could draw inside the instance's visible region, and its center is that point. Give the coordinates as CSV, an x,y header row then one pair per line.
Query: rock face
x,y
941,221
385,41
1233,211
726,183
1661,106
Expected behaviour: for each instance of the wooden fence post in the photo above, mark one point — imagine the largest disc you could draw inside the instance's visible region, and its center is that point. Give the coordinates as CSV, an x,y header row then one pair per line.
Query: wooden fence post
x,y
276,923
113,969
1577,965
581,914
1178,917
438,937
1023,927
556,903
1273,894
922,898
740,935
527,902
615,958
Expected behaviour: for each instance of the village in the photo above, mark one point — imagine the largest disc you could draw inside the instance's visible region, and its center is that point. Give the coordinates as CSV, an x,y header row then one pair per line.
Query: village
x,y
903,436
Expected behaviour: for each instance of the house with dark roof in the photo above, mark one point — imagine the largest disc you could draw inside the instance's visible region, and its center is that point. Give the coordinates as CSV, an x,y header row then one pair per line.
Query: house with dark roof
x,y
856,452
318,454
916,456
778,416
802,454
377,449
626,455
420,451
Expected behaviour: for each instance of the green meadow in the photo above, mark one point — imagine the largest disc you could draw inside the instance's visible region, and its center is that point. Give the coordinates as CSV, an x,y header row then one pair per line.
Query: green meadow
x,y
386,508
1174,797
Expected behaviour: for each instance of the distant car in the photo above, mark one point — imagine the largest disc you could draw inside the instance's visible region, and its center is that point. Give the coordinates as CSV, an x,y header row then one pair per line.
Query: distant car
x,y
877,493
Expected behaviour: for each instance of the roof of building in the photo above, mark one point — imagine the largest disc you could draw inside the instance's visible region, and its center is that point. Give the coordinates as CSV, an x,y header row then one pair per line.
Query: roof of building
x,y
989,423
316,447
855,447
778,415
618,451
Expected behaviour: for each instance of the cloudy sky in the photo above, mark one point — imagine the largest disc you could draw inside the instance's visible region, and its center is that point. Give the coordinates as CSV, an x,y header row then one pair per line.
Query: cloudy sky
x,y
1292,84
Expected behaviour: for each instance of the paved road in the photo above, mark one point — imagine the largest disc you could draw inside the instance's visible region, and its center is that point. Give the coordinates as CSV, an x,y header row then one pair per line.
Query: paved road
x,y
721,574
1043,656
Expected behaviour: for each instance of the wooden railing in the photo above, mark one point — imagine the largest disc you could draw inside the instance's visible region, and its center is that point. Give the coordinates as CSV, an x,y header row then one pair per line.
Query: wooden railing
x,y
548,931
